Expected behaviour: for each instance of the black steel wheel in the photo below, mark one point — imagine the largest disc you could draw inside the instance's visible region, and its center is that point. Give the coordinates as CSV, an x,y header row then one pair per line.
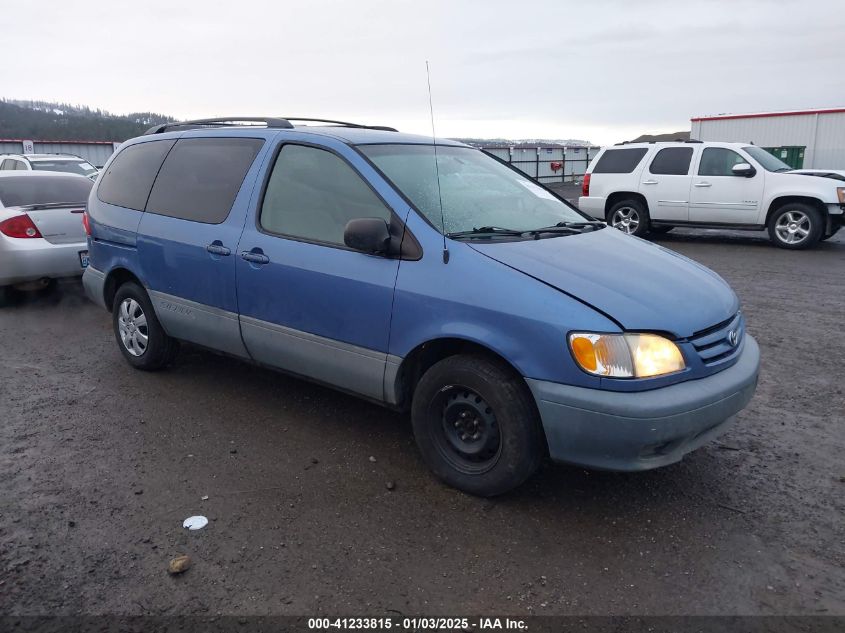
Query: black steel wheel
x,y
476,424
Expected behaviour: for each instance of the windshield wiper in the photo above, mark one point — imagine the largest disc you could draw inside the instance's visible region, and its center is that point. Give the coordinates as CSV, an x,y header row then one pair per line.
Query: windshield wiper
x,y
486,231
566,228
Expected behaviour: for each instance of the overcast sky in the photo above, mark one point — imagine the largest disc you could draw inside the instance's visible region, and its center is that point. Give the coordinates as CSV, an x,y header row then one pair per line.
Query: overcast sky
x,y
603,71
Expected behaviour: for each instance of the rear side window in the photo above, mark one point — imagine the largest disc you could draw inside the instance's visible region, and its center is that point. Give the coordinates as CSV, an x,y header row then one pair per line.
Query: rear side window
x,y
312,194
201,177
718,161
672,161
620,161
130,175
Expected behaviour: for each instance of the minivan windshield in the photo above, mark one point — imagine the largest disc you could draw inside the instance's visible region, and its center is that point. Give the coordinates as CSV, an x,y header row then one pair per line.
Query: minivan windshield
x,y
479,194
767,161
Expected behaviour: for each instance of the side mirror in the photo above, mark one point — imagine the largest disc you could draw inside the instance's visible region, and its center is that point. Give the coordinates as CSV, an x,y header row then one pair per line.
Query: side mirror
x,y
743,169
368,235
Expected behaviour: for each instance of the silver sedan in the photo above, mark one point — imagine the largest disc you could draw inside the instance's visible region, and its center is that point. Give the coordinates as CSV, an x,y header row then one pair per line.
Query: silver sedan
x,y
42,236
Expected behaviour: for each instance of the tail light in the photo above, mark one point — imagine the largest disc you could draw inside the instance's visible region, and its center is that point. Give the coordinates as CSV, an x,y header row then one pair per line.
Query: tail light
x,y
19,226
86,224
585,186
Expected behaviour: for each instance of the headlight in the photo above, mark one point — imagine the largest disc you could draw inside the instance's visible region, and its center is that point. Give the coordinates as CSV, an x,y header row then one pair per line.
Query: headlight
x,y
840,191
625,355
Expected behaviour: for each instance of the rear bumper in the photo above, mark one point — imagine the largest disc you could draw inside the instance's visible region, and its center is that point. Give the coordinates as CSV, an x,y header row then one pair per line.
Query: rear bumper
x,y
23,260
94,281
593,206
643,430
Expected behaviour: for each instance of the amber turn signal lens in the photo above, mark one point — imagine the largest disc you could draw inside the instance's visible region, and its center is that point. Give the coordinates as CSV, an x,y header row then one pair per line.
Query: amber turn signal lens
x,y
585,354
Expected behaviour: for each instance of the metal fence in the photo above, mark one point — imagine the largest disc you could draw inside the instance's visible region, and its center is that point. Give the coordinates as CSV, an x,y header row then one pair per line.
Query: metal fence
x,y
95,152
548,164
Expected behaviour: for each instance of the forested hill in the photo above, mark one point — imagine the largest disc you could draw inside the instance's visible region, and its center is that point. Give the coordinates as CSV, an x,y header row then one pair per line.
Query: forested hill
x,y
41,120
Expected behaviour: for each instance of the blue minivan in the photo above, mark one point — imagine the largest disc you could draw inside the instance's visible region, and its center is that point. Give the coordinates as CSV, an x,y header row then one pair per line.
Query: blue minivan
x,y
431,278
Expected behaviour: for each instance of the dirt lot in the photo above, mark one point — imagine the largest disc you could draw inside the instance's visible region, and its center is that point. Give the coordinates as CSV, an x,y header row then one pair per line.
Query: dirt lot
x,y
100,464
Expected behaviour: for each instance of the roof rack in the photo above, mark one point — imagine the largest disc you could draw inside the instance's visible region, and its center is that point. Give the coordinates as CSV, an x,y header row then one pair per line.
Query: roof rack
x,y
270,122
342,123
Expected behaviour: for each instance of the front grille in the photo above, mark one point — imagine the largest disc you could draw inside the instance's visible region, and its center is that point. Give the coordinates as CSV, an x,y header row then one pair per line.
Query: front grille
x,y
714,344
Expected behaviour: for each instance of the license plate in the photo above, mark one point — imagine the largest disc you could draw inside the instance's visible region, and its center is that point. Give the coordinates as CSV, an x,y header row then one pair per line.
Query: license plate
x,y
83,259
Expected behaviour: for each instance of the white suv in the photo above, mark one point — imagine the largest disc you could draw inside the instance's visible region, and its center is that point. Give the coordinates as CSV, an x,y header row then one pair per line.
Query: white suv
x,y
641,187
67,163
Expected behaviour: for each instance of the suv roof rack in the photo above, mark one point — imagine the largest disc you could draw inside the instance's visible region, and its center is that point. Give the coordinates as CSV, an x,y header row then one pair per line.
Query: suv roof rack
x,y
270,122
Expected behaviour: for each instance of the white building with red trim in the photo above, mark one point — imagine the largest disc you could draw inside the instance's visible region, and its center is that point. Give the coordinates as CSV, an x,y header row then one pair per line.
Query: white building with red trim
x,y
816,138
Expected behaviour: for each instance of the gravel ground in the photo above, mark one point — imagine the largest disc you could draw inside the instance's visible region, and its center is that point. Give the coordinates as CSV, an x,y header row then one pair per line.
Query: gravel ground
x,y
100,464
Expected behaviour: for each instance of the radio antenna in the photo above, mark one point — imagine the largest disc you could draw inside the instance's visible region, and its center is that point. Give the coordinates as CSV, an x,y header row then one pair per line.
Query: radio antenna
x,y
436,166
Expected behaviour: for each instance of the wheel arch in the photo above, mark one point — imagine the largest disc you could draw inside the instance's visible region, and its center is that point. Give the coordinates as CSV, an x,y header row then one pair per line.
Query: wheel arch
x,y
115,278
619,196
783,200
400,387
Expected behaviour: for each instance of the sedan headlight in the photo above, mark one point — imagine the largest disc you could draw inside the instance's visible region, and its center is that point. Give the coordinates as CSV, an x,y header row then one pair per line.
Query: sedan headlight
x,y
625,355
840,192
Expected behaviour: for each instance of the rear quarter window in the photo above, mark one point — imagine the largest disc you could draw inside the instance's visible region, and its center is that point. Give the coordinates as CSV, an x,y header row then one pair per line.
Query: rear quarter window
x,y
620,161
130,176
201,177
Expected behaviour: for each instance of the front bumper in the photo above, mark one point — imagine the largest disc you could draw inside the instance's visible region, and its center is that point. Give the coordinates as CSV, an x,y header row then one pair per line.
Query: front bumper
x,y
642,430
23,260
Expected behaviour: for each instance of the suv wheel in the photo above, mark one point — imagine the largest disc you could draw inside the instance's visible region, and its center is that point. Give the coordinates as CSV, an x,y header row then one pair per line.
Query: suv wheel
x,y
629,216
796,226
140,337
476,425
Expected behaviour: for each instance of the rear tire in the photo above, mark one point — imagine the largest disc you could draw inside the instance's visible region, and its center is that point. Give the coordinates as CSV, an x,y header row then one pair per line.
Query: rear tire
x,y
629,216
476,425
796,226
140,337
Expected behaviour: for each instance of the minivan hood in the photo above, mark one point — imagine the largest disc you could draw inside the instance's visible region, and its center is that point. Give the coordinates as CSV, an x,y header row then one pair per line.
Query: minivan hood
x,y
640,285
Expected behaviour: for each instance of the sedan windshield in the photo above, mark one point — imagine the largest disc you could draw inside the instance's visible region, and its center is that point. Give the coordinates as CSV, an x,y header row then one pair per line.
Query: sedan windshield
x,y
767,161
479,195
68,166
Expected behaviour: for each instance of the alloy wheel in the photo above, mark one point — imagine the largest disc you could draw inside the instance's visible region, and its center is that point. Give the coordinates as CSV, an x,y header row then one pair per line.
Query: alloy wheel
x,y
626,219
793,227
132,326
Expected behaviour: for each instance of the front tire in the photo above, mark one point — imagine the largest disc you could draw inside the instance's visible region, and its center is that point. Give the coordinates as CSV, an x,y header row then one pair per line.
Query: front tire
x,y
140,337
796,226
476,425
629,216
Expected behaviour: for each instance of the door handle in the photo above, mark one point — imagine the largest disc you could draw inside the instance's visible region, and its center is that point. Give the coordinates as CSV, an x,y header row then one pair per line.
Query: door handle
x,y
216,248
702,184
649,182
255,258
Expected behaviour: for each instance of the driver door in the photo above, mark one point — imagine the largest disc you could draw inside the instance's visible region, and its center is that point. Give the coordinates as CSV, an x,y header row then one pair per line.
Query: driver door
x,y
308,303
718,196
